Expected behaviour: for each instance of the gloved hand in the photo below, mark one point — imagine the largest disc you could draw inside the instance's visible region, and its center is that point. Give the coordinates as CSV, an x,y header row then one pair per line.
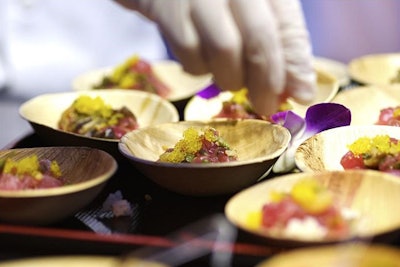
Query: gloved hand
x,y
259,44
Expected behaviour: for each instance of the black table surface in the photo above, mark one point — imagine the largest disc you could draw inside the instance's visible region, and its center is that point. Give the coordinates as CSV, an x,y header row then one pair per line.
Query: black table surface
x,y
158,214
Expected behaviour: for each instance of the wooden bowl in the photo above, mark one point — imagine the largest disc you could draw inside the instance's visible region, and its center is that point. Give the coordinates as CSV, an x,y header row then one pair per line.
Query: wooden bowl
x,y
199,108
43,113
363,191
366,102
258,144
351,255
79,261
86,171
333,67
375,69
182,84
324,150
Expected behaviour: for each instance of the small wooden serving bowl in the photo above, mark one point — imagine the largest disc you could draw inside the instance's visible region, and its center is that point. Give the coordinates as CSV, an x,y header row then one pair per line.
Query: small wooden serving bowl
x,y
80,261
371,194
375,69
86,171
199,108
351,255
43,113
258,144
366,102
182,84
324,150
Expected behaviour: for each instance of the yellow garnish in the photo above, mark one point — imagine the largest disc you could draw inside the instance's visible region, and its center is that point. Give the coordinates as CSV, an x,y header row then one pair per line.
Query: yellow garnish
x,y
189,145
285,106
29,166
121,70
396,112
276,196
128,80
115,118
24,166
210,134
311,196
379,143
186,148
55,169
253,220
240,97
92,106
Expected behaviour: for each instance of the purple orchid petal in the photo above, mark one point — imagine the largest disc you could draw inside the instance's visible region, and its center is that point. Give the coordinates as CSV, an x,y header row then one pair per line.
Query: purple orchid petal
x,y
318,118
326,116
290,120
209,92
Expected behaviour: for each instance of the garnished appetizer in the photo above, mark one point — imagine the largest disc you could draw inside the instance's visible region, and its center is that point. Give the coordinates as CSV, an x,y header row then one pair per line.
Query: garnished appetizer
x,y
94,118
238,107
380,152
134,73
29,173
206,146
307,211
389,116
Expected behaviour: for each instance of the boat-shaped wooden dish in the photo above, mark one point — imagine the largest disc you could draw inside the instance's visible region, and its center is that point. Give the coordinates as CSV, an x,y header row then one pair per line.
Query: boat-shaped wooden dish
x,y
363,192
182,84
199,108
366,102
352,254
85,171
333,67
375,69
324,150
80,261
257,143
43,113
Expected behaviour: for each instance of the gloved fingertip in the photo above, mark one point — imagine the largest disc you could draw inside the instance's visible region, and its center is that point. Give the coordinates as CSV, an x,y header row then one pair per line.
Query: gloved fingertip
x,y
304,94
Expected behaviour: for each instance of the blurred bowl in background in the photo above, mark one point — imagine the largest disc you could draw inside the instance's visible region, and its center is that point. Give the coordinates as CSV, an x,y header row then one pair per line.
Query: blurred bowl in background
x,y
333,67
375,69
199,108
182,84
351,254
362,192
44,112
366,102
85,170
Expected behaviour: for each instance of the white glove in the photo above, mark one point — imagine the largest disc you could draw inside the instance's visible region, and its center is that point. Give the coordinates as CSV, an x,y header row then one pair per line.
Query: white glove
x,y
259,44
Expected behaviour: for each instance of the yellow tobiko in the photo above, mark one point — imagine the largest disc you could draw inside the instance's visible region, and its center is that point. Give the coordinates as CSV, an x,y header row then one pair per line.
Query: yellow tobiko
x,y
379,143
186,147
29,166
121,70
92,106
311,196
240,97
254,219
